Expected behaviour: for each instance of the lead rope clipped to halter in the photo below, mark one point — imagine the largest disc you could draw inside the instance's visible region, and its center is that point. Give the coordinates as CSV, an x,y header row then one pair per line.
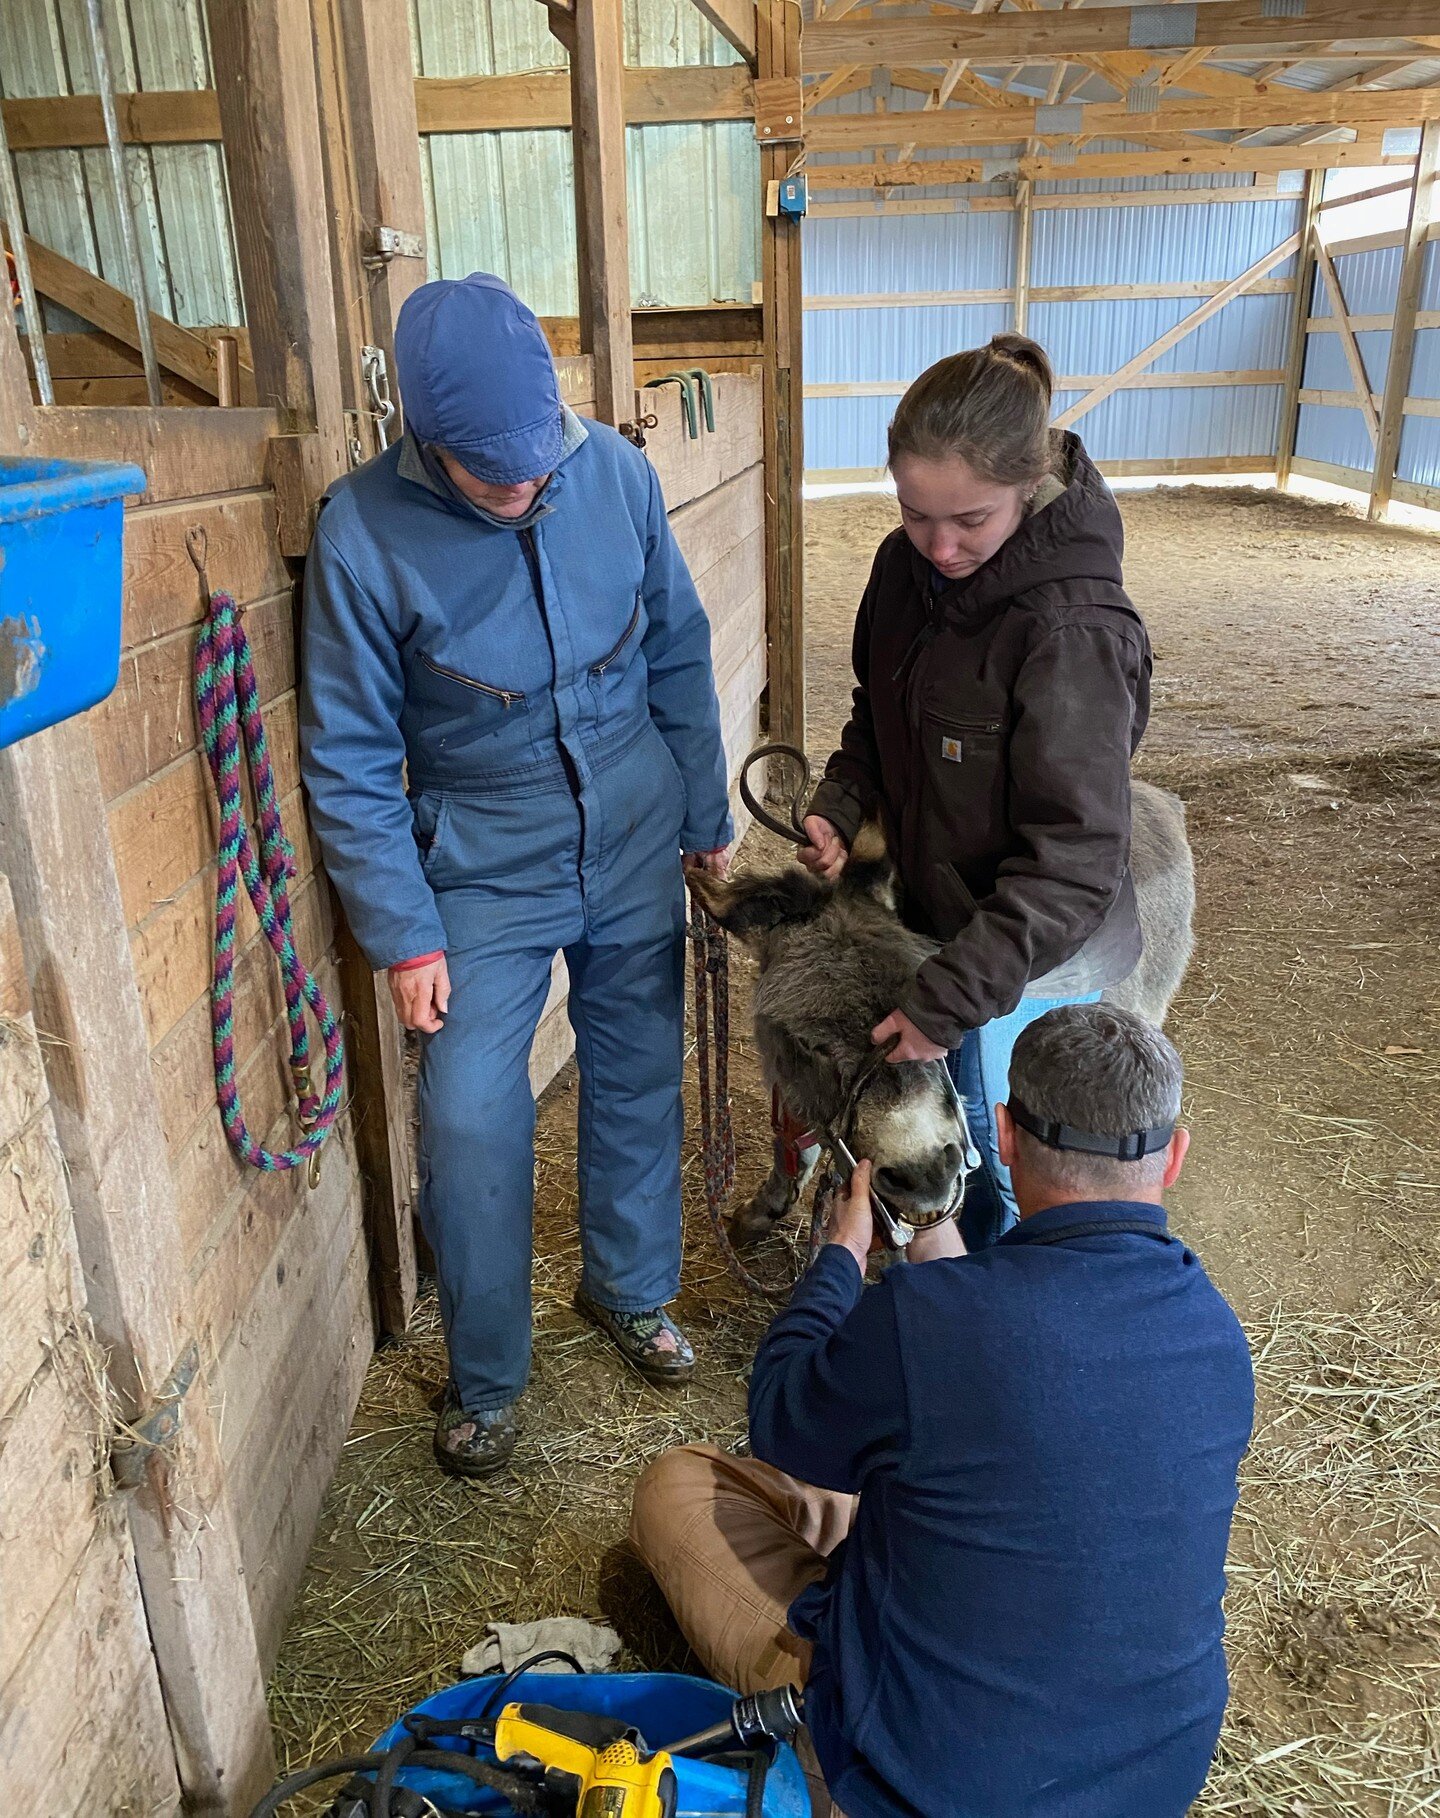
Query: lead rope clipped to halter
x,y
710,955
227,701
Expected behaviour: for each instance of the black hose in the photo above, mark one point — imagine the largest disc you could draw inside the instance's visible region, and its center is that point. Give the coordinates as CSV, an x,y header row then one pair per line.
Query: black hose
x,y
755,1782
524,1794
499,1691
378,1800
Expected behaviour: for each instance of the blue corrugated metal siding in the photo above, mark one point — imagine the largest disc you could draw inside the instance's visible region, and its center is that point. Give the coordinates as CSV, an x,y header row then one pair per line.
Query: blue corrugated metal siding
x,y
1070,247
1324,432
504,202
182,209
1420,438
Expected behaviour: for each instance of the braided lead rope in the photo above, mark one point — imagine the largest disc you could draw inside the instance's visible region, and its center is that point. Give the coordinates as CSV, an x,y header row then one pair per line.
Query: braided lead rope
x,y
227,701
710,956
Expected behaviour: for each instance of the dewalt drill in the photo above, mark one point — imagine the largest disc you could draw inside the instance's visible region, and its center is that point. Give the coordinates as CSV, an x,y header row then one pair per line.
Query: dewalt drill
x,y
596,1766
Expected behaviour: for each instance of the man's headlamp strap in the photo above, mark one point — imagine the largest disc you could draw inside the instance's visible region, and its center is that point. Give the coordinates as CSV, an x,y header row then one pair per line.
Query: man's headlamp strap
x,y
1134,1145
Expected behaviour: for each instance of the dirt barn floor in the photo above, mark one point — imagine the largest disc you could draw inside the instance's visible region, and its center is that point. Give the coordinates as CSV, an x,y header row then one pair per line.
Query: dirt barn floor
x,y
1297,711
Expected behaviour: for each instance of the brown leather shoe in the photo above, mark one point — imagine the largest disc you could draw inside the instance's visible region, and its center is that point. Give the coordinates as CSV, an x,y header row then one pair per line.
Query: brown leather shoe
x,y
636,1337
473,1444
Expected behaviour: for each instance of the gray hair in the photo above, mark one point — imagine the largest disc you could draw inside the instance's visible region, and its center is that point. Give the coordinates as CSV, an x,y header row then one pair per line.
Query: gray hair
x,y
1102,1069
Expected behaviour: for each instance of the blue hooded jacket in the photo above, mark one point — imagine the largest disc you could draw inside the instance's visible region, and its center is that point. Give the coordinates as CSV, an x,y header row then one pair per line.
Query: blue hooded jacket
x,y
452,651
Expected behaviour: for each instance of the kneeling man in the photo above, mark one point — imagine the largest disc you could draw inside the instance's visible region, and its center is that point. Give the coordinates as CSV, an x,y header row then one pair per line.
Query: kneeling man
x,y
1021,1617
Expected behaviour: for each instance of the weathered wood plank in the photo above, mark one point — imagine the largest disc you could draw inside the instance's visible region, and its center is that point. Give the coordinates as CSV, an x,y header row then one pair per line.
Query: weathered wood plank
x,y
182,1064
38,1270
689,467
163,832
95,1644
184,455
709,527
149,720
598,111
55,848
162,590
272,1338
173,948
285,1503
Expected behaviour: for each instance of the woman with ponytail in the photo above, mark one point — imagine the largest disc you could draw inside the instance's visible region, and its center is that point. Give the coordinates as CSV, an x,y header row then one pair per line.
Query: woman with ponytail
x,y
1003,685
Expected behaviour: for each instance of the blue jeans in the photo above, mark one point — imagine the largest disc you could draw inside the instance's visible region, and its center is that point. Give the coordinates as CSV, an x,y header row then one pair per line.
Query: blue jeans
x,y
980,1068
520,872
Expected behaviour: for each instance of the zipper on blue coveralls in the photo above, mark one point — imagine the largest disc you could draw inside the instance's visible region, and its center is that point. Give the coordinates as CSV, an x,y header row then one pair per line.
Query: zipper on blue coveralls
x,y
610,655
572,774
507,695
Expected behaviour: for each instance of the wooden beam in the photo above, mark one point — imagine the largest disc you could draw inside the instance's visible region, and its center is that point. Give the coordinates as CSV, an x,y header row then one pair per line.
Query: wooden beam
x,y
524,102
1043,293
1377,108
1299,315
735,22
17,409
388,186
55,848
1024,227
1402,336
541,99
1354,359
1180,162
1186,326
187,355
599,125
1041,36
783,403
264,60
1145,381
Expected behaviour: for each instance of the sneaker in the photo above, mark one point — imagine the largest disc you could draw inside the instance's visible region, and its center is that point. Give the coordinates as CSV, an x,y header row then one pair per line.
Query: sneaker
x,y
473,1443
636,1336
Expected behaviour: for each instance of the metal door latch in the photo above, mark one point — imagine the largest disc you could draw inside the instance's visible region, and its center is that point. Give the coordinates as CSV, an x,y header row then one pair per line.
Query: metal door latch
x,y
375,372
157,1428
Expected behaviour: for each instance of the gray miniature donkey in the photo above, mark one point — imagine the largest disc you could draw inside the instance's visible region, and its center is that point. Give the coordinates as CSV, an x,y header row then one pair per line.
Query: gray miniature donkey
x,y
834,960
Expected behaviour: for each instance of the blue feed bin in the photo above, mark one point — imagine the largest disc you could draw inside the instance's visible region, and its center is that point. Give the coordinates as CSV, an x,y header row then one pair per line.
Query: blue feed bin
x,y
60,585
662,1706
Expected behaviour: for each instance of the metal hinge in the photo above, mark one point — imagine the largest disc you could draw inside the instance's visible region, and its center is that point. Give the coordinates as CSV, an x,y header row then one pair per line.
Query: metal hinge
x,y
393,243
156,1429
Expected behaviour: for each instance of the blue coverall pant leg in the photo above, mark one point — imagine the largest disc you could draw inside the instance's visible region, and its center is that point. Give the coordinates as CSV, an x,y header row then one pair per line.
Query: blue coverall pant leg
x,y
980,1068
598,878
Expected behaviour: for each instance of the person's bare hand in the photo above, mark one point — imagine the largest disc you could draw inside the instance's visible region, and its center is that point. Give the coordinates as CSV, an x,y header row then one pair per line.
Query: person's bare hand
x,y
422,996
936,1243
852,1223
913,1045
826,854
717,863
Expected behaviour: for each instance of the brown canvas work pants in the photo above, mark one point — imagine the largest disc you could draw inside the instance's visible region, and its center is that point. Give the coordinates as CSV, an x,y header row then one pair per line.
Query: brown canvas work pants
x,y
731,1542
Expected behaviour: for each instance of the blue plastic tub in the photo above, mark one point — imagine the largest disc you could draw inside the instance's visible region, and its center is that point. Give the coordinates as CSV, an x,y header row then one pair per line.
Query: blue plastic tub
x,y
662,1706
60,586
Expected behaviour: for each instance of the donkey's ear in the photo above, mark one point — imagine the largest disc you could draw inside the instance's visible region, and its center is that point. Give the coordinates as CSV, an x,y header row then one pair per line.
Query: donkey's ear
x,y
750,906
871,871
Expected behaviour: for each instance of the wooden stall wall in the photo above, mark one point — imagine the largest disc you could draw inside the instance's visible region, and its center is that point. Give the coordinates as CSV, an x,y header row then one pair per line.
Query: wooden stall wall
x,y
82,1724
277,1272
715,496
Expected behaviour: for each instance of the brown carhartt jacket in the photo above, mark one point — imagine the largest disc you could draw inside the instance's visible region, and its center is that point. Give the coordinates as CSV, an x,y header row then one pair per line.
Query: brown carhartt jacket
x,y
992,729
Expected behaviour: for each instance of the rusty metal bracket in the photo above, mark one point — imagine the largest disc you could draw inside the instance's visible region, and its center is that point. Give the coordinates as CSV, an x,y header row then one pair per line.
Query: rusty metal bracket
x,y
158,1427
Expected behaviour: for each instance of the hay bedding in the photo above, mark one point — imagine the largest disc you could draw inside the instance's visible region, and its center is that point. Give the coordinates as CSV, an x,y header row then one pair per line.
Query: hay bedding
x,y
1302,734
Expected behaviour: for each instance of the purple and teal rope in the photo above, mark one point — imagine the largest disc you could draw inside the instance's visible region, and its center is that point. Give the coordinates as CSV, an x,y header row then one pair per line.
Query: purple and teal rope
x,y
228,703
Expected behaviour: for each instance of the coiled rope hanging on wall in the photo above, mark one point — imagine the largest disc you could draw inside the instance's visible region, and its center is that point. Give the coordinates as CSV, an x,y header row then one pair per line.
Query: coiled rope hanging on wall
x,y
227,701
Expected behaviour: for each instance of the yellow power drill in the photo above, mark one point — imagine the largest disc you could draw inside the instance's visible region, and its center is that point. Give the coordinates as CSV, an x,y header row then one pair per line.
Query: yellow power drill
x,y
596,1766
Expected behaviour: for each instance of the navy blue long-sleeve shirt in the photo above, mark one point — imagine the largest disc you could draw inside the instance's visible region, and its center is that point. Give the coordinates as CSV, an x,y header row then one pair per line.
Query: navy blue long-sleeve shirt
x,y
1025,1621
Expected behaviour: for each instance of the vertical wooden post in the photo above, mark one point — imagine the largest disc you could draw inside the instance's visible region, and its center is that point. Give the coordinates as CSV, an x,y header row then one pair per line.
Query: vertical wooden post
x,y
385,136
264,57
1024,232
1402,333
597,112
1299,317
17,410
778,51
55,848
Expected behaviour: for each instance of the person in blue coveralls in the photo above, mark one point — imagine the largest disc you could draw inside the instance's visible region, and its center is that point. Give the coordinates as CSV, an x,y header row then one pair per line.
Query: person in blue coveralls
x,y
510,736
